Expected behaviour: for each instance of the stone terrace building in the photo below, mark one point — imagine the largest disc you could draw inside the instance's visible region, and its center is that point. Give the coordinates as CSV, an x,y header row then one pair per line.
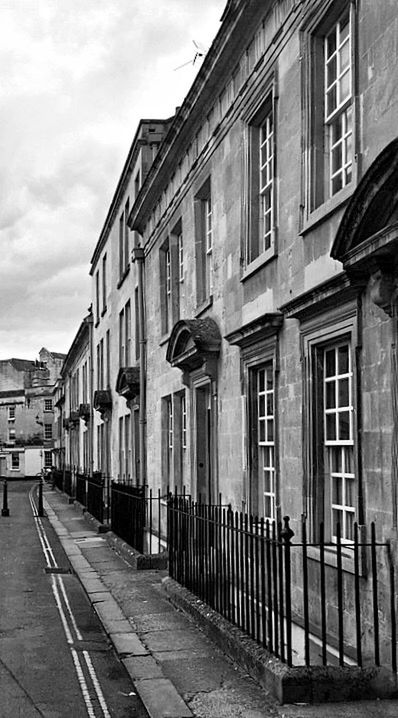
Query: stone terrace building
x,y
76,406
269,231
116,311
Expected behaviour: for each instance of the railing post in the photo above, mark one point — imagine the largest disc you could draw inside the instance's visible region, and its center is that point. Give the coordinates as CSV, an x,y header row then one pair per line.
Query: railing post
x,y
5,510
305,590
287,535
375,594
340,595
357,596
40,511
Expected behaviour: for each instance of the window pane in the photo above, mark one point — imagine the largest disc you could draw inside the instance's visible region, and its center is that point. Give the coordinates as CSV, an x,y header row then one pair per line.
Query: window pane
x,y
337,493
349,492
348,460
343,361
348,119
330,427
345,86
267,481
344,392
337,158
335,459
270,405
261,430
344,27
349,527
331,70
337,183
331,100
268,512
344,56
270,430
337,519
337,129
261,379
348,148
344,425
330,369
330,395
331,43
261,405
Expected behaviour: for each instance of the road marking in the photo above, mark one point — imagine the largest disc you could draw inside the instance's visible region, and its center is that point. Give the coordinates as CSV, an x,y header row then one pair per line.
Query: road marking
x,y
61,597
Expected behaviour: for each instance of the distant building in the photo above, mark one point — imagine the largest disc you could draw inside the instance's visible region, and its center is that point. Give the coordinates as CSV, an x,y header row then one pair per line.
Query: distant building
x,y
27,414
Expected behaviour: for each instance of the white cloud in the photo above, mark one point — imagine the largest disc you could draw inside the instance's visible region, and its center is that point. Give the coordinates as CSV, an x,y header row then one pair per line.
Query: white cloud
x,y
76,77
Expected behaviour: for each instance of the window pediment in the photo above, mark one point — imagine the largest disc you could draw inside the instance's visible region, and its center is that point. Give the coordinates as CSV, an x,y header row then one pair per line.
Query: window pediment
x,y
366,234
266,326
128,382
194,343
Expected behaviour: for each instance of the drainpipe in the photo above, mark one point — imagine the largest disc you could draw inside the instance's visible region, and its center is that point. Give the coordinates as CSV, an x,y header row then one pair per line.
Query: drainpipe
x,y
137,255
91,393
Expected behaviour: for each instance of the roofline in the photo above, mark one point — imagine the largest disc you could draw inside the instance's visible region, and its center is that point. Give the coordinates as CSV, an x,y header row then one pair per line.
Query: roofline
x,y
120,188
78,341
221,55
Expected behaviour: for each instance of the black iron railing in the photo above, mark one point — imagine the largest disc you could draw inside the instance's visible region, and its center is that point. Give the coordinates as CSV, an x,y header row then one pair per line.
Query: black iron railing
x,y
95,496
58,478
68,484
307,603
81,488
128,513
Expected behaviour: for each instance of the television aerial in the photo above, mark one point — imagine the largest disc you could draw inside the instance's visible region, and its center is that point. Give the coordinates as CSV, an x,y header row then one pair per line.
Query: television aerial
x,y
200,51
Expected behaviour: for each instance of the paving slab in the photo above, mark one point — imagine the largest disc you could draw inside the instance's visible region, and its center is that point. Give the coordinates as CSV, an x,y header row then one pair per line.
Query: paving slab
x,y
167,640
142,667
92,585
161,699
128,644
159,621
204,673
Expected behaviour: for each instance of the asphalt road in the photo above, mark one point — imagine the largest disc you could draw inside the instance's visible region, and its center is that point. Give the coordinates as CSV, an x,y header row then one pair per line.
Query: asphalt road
x,y
55,659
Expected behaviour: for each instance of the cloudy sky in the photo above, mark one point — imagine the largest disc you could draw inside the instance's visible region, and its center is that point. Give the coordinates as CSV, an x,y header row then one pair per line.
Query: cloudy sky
x,y
75,78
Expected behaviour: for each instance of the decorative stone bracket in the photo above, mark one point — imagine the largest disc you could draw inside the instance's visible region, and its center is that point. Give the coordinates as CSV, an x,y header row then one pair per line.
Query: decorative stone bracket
x,y
73,418
128,384
102,402
383,290
84,412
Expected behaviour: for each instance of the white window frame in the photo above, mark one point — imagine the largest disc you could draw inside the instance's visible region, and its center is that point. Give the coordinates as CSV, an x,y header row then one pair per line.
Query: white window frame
x,y
208,243
183,421
47,459
48,429
340,117
168,286
265,440
266,182
261,213
339,450
180,247
48,404
14,455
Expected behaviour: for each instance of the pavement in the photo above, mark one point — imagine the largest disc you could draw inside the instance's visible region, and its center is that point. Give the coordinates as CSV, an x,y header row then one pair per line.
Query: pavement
x,y
176,669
